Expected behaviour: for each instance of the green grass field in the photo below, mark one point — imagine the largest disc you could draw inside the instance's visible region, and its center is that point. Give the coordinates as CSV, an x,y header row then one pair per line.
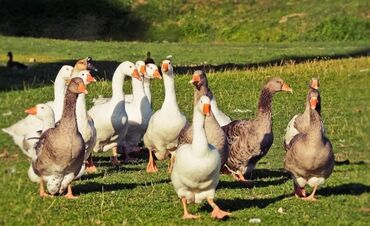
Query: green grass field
x,y
127,195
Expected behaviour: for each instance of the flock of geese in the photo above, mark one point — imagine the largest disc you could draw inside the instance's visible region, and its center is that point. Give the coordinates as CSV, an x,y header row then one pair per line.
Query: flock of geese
x,y
60,136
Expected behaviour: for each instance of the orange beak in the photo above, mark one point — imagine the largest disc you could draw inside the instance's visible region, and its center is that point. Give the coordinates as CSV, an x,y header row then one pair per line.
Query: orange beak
x,y
143,70
136,75
31,111
206,109
313,102
82,88
165,67
315,84
157,74
196,78
90,78
286,88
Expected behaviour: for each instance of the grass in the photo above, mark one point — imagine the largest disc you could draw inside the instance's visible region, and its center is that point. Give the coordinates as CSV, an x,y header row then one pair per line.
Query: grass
x,y
129,196
188,21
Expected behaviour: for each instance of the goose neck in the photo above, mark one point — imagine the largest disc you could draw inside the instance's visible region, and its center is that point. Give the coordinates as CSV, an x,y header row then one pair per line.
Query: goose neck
x,y
69,112
264,104
170,94
200,143
117,84
59,90
147,91
137,89
81,111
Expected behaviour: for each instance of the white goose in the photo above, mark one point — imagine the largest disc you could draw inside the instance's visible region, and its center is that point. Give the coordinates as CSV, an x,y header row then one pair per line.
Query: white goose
x,y
197,166
110,118
31,124
139,109
85,123
46,115
165,124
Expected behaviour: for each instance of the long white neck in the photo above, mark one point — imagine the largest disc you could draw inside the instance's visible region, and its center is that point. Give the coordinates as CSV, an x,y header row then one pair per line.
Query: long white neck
x,y
147,91
48,123
81,114
117,84
170,94
59,91
137,90
200,143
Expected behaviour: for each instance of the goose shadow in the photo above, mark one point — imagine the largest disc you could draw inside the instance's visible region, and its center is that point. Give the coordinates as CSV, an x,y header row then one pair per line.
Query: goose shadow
x,y
240,204
345,189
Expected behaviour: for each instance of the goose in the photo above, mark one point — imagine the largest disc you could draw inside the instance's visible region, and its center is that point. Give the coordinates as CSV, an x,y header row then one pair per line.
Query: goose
x,y
197,166
46,115
165,124
309,157
250,140
148,59
139,109
110,118
31,124
14,64
214,132
60,150
85,123
291,130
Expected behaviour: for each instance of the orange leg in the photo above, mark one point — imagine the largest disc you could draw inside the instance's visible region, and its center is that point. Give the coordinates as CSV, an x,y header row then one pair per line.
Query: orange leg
x,y
69,194
42,189
312,195
217,213
151,167
90,166
187,215
114,160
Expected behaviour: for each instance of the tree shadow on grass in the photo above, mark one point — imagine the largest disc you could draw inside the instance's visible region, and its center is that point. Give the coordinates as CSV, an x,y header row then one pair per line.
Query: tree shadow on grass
x,y
267,173
347,162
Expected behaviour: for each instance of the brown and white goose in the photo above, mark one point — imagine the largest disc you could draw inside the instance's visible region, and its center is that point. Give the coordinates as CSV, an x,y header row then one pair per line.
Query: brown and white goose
x,y
214,132
291,130
309,157
60,151
250,140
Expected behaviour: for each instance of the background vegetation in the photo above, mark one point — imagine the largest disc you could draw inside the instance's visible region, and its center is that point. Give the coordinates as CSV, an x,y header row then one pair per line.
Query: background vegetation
x,y
188,20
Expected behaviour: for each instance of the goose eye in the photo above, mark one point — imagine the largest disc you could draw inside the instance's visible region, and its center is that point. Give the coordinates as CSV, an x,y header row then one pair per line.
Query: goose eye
x,y
130,66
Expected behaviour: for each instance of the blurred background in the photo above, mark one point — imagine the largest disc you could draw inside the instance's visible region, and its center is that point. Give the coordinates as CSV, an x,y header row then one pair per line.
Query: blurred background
x,y
188,21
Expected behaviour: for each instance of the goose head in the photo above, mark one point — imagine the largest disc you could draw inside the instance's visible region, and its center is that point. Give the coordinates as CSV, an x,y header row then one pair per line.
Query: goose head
x,y
41,111
128,68
199,79
10,55
140,66
204,105
84,64
65,72
167,67
313,98
152,71
277,84
77,86
86,77
314,83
